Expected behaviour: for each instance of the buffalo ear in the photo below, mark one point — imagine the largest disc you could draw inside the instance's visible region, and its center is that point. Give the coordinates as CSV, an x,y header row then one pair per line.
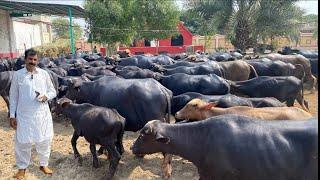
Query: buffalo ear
x,y
162,139
147,131
65,104
210,105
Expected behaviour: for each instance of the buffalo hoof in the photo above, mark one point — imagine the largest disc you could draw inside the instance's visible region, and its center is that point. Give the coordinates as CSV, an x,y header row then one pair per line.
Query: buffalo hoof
x,y
78,158
139,156
120,150
107,177
96,164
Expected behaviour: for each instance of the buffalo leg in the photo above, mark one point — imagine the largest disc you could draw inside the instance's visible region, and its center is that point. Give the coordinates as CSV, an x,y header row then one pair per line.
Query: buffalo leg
x,y
74,147
100,151
119,144
166,166
303,103
94,155
290,102
114,160
6,100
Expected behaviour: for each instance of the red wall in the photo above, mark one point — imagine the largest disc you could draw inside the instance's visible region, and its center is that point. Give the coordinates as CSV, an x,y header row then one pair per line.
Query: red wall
x,y
165,44
157,50
9,55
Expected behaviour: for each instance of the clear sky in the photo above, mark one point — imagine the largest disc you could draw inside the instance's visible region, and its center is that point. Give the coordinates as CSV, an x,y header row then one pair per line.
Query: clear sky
x,y
309,6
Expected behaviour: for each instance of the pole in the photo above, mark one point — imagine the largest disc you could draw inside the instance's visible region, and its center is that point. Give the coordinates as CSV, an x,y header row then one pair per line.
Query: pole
x,y
91,34
71,32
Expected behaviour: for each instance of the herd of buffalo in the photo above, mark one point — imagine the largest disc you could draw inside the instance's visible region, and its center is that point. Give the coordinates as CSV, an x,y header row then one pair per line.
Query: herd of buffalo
x,y
233,116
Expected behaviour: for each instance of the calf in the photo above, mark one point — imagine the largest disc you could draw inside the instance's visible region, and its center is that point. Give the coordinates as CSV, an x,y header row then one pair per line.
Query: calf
x,y
238,147
98,125
284,88
197,109
224,101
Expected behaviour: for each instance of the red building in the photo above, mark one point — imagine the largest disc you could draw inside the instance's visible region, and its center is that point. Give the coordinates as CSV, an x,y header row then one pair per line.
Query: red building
x,y
179,44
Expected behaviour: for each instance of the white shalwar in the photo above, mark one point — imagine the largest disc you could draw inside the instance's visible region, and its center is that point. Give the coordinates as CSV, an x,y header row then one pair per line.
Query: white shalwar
x,y
34,120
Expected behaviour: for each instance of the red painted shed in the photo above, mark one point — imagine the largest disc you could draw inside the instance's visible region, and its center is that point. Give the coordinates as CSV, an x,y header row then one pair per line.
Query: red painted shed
x,y
174,45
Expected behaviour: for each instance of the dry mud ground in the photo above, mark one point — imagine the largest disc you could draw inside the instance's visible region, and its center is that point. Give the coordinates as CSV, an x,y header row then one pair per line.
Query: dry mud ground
x,y
64,166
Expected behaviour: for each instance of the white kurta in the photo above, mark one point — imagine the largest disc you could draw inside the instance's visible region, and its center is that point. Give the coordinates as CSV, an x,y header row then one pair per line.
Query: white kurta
x,y
33,117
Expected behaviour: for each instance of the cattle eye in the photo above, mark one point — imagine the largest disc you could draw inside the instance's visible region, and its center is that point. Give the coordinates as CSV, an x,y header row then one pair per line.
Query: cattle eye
x,y
194,105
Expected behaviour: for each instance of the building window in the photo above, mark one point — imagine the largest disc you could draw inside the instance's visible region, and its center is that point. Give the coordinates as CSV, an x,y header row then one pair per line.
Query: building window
x,y
147,43
48,28
308,41
177,41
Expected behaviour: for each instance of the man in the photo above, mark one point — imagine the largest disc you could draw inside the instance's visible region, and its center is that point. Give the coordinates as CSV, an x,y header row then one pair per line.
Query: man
x,y
31,89
95,49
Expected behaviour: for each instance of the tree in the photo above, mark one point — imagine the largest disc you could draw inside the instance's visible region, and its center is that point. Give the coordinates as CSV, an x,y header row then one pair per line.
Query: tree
x,y
313,20
125,20
60,27
278,18
244,21
197,24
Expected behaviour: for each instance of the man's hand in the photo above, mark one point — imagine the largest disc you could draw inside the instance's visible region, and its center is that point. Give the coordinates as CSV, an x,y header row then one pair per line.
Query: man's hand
x,y
13,123
42,98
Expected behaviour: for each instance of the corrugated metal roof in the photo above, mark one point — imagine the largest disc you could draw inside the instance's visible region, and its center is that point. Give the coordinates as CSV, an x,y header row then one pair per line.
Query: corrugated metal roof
x,y
41,8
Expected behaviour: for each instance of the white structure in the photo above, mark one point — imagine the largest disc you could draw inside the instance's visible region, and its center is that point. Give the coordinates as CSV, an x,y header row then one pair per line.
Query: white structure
x,y
7,39
32,31
18,34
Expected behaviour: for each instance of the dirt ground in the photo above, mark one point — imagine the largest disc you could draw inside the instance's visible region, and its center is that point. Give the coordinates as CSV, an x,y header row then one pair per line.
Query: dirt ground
x,y
65,168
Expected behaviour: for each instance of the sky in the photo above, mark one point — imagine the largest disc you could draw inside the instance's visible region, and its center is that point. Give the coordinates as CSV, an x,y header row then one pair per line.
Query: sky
x,y
309,6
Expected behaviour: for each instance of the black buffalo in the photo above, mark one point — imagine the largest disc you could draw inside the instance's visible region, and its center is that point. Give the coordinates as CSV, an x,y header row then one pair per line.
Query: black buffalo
x,y
284,88
238,147
210,67
267,67
206,84
5,83
98,125
137,100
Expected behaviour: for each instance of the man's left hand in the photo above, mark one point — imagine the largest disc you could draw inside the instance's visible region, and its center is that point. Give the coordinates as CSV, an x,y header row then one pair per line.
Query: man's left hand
x,y
42,98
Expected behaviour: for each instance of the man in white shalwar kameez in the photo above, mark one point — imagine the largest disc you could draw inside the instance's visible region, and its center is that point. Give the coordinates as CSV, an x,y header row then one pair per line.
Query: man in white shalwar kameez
x,y
30,116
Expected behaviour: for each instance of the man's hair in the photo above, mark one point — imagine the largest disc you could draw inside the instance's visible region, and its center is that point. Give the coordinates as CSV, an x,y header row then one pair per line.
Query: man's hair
x,y
30,52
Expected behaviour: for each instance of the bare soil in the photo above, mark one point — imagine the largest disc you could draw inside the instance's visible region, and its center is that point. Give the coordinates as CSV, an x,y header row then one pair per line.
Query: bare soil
x,y
65,167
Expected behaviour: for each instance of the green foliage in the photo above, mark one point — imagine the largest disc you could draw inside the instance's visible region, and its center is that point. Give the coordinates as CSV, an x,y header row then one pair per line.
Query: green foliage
x,y
278,18
197,24
125,20
313,20
246,21
60,46
60,27
220,49
310,18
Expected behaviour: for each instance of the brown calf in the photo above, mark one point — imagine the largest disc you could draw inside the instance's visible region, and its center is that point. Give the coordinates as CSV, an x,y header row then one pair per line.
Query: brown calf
x,y
197,109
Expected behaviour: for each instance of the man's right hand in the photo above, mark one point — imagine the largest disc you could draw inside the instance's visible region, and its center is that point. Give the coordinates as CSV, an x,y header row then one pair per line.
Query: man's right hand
x,y
13,123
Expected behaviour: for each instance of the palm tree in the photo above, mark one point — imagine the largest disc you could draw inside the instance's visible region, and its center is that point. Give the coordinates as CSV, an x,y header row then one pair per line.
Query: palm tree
x,y
243,21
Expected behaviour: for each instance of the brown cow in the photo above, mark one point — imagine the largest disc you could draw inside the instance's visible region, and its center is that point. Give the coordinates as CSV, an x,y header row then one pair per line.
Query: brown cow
x,y
237,70
197,109
296,59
